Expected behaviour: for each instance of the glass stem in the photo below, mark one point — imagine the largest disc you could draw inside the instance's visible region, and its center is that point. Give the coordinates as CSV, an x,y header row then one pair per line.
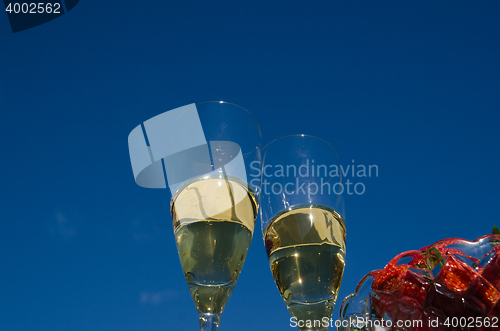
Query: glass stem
x,y
314,329
209,322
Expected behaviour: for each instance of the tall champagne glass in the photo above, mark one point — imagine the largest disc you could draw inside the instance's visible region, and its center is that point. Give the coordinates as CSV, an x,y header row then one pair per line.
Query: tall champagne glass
x,y
205,152
302,224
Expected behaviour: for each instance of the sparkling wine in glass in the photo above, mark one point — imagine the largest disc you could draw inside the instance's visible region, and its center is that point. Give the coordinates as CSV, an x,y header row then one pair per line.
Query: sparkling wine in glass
x,y
213,221
202,153
304,234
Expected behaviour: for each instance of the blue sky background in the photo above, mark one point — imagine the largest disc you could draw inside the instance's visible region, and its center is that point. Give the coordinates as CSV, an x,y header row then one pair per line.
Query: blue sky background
x,y
411,86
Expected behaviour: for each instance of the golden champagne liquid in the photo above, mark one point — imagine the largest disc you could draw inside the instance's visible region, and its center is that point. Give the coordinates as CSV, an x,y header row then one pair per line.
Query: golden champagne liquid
x,y
306,250
213,223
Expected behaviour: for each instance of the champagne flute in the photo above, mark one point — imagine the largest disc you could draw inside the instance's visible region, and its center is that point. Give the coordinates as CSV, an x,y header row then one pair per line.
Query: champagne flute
x,y
304,232
204,151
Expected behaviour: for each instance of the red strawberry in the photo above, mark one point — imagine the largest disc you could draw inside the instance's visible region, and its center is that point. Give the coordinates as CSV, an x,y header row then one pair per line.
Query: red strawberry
x,y
400,291
445,297
481,297
493,319
413,291
491,273
492,270
386,284
456,275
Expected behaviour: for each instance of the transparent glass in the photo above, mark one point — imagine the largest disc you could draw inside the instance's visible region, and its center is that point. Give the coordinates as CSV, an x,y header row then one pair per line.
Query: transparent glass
x,y
205,154
214,206
453,284
303,227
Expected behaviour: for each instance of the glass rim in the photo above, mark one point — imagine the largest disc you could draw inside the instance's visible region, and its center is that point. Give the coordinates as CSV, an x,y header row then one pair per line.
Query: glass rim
x,y
301,135
234,104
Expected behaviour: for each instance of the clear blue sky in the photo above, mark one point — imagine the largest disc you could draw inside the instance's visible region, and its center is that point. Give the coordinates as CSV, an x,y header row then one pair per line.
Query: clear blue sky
x,y
412,87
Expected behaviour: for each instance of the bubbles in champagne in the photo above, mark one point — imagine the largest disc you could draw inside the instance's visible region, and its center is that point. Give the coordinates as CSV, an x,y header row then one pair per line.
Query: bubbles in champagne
x,y
213,223
306,250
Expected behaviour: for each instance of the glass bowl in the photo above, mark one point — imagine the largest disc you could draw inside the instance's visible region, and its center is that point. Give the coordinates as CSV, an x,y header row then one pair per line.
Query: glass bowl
x,y
453,284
